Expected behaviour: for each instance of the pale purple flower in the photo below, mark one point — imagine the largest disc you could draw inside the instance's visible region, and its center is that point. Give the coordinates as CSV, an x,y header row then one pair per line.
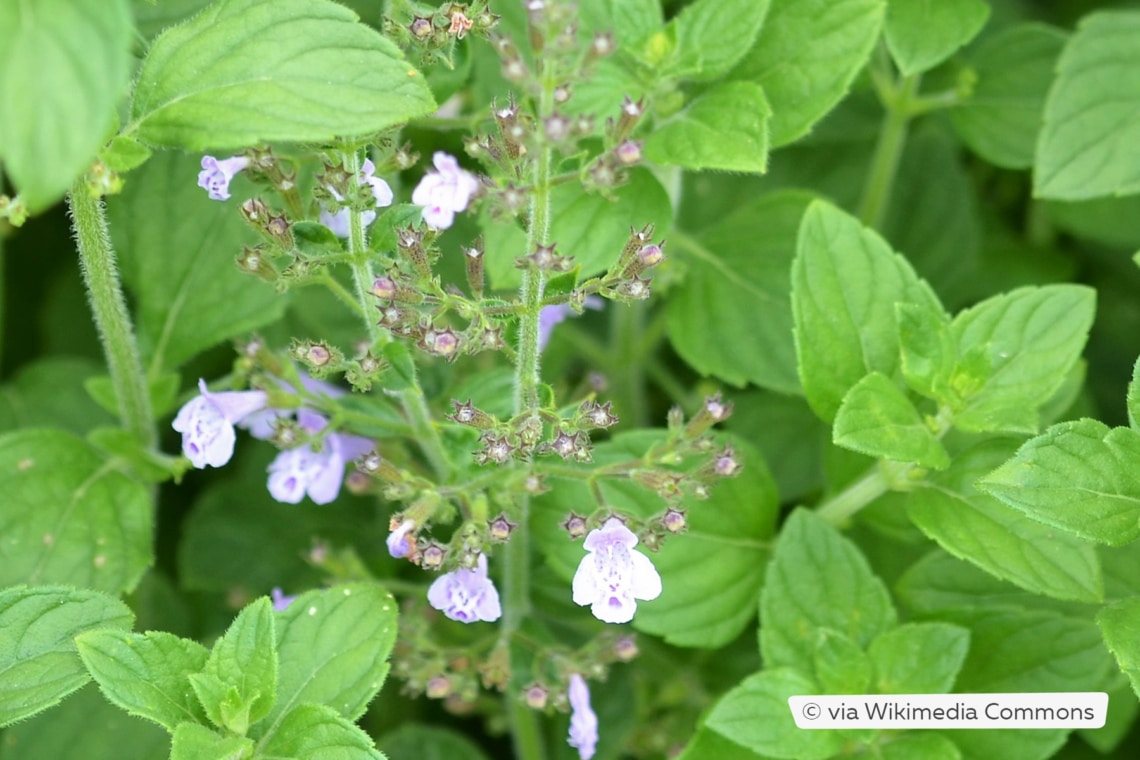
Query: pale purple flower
x,y
207,423
305,470
216,175
613,574
280,601
262,424
466,595
339,222
549,316
444,192
583,721
398,545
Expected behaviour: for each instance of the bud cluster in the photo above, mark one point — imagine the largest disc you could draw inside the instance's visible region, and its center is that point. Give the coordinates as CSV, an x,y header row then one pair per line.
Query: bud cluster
x,y
433,36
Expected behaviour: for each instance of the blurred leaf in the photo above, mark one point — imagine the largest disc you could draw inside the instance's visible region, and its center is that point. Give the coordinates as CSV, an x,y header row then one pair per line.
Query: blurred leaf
x,y
195,742
1120,625
725,128
918,658
50,392
921,34
316,731
308,72
713,35
64,64
67,517
38,662
429,742
1090,142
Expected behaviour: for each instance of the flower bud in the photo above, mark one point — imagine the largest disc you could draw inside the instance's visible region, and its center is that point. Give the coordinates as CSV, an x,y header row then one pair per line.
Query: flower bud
x,y
473,259
575,525
564,445
601,46
536,696
674,520
432,556
713,411
384,287
252,261
501,528
592,414
438,687
628,152
725,464
625,648
467,414
557,127
421,28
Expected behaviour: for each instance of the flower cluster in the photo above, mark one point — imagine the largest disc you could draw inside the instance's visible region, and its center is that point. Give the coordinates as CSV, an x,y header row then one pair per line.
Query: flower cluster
x,y
338,221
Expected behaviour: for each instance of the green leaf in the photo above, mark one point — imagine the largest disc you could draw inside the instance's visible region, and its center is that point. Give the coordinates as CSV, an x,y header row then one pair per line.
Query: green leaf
x,y
49,393
192,296
713,35
308,71
334,646
162,390
725,547
738,267
67,517
146,674
429,742
1008,744
1026,342
755,715
1133,398
1076,476
122,154
590,228
927,350
840,665
1031,651
401,371
788,434
85,727
64,64
923,33
1002,117
806,58
1120,625
918,658
195,742
238,685
877,419
1088,144
707,744
817,579
317,732
999,539
38,662
845,284
915,746
725,128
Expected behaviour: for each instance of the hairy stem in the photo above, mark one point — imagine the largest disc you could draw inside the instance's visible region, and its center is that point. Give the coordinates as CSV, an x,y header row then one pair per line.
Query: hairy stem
x,y
105,294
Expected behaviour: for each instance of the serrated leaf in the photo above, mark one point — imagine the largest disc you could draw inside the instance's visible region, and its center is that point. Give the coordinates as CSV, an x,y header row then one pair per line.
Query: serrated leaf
x,y
317,732
591,228
38,662
740,266
1076,476
999,539
1002,117
1120,625
806,57
192,296
923,33
755,715
707,744
817,579
67,517
308,71
709,578
333,646
918,658
840,665
1133,398
927,350
64,64
1026,342
1088,143
195,742
146,674
725,128
876,418
713,35
238,685
845,284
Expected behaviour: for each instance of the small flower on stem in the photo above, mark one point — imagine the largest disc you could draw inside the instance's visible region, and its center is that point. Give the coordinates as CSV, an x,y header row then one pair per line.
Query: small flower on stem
x,y
216,175
280,601
399,544
444,192
207,423
339,222
613,574
466,595
583,720
305,470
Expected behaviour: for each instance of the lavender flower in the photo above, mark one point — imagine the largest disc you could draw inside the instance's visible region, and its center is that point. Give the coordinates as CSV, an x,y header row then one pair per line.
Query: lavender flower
x,y
207,423
583,721
339,221
613,574
549,316
466,595
398,544
444,192
216,175
280,601
305,470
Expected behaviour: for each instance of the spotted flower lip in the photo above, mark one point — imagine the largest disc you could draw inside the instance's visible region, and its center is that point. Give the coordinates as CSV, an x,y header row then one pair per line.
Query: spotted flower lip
x,y
207,423
304,470
613,574
339,222
216,175
466,595
583,721
444,192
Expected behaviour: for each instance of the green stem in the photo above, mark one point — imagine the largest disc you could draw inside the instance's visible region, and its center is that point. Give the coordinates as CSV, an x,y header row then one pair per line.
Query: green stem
x,y
105,293
839,508
412,401
888,151
627,327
